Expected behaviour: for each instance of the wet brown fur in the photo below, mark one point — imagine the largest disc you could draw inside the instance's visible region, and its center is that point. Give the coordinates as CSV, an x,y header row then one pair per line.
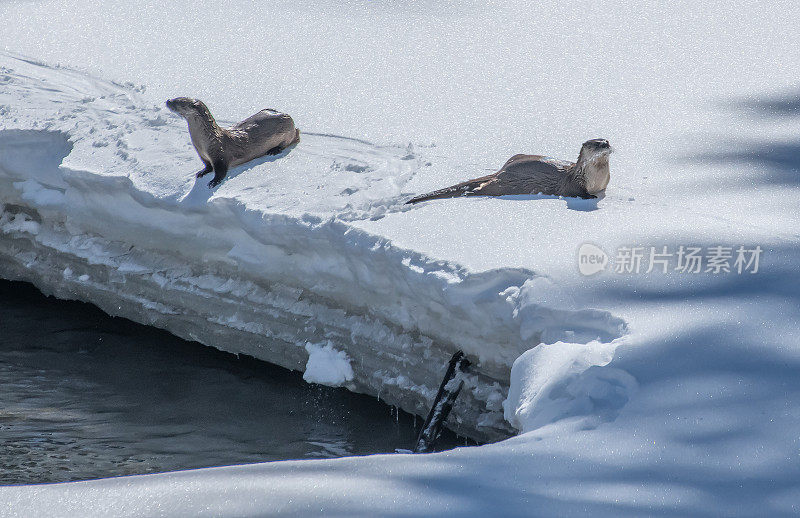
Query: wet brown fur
x,y
537,174
268,132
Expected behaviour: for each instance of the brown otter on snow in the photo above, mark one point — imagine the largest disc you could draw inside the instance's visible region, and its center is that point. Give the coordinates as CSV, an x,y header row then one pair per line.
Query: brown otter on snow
x,y
268,132
536,174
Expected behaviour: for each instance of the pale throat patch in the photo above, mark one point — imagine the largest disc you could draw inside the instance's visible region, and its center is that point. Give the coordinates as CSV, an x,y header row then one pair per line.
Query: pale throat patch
x,y
597,173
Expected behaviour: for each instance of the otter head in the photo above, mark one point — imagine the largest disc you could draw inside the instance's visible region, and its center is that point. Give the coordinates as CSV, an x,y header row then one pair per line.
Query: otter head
x,y
188,108
594,149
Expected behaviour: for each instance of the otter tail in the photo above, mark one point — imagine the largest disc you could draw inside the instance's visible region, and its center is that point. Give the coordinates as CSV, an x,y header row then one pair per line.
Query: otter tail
x,y
470,187
296,137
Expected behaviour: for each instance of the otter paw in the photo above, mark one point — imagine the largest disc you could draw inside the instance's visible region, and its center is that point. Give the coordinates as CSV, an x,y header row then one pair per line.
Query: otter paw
x,y
275,151
213,183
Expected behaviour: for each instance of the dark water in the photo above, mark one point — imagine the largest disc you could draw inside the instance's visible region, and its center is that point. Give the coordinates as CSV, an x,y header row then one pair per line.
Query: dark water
x,y
84,395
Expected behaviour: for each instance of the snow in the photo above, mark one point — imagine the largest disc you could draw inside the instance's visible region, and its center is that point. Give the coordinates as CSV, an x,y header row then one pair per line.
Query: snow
x,y
327,366
636,394
563,380
271,260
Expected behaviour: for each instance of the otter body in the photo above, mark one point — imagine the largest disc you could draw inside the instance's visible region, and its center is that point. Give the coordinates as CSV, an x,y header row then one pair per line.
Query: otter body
x,y
536,174
268,132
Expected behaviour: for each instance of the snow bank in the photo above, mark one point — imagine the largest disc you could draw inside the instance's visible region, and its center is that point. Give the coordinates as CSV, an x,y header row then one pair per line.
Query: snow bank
x,y
552,382
95,181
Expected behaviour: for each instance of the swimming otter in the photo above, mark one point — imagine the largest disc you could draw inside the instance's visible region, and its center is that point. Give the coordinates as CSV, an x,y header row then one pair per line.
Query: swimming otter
x,y
268,132
536,174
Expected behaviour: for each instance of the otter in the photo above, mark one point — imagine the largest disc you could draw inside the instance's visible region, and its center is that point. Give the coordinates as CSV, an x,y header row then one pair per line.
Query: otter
x,y
268,132
536,174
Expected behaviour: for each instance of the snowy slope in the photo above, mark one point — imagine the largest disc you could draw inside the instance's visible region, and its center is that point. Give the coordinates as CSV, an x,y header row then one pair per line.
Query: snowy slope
x,y
689,402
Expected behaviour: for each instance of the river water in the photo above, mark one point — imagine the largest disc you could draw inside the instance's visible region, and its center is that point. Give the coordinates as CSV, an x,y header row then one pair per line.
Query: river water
x,y
84,395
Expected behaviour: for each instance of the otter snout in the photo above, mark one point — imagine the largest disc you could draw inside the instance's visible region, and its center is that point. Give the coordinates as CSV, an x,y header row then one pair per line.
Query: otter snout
x,y
598,145
184,106
178,105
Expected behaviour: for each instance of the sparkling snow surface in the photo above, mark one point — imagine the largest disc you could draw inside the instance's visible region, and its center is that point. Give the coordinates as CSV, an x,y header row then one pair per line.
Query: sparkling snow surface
x,y
653,394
